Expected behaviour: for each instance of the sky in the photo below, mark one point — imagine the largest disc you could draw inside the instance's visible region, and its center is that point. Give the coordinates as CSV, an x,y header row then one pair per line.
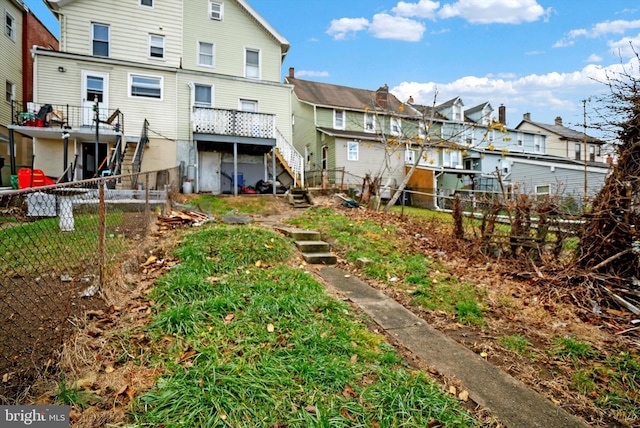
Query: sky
x,y
548,58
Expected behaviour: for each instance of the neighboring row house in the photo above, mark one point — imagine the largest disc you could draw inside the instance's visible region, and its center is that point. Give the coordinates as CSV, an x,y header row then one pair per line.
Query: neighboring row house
x,y
147,84
21,31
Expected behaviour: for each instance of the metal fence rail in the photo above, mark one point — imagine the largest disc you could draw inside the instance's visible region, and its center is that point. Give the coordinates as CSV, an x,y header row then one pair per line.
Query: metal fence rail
x,y
58,245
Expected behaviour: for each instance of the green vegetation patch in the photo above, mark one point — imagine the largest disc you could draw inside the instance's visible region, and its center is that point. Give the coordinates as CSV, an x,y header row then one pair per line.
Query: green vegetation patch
x,y
256,343
450,295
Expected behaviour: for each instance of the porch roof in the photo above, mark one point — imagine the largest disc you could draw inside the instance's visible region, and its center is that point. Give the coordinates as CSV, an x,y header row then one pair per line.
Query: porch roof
x,y
87,133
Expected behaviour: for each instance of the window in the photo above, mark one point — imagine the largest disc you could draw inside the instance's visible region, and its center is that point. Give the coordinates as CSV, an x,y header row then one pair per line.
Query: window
x,y
145,86
537,144
520,139
203,96
9,26
148,3
543,190
215,11
249,105
325,157
252,63
396,126
409,156
422,130
352,150
10,91
468,137
578,157
338,119
205,54
100,40
156,46
491,136
369,123
592,153
95,89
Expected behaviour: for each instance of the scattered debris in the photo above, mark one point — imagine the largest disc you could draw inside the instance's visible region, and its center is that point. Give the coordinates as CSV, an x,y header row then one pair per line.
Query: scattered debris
x,y
89,291
179,218
234,218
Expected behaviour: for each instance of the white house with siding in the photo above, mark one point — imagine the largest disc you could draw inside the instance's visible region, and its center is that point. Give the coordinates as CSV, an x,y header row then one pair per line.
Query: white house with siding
x,y
191,82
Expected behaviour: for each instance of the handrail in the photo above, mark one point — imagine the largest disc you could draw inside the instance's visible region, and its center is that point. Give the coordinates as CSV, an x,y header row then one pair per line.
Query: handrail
x,y
292,157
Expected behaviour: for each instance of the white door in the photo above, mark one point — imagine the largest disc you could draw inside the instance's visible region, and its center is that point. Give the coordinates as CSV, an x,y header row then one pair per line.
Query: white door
x,y
94,85
209,172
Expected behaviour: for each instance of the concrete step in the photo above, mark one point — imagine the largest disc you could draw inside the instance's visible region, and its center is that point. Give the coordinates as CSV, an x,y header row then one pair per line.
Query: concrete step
x,y
320,258
301,234
313,246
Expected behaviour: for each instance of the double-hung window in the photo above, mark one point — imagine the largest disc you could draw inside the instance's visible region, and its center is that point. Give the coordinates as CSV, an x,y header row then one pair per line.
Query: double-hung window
x,y
10,91
145,86
216,10
203,96
252,63
156,46
9,26
100,40
205,54
369,122
338,119
396,126
352,150
409,155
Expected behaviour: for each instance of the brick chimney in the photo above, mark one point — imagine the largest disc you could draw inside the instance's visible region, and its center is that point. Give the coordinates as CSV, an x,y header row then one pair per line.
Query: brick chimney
x,y
526,116
292,73
558,121
502,115
382,97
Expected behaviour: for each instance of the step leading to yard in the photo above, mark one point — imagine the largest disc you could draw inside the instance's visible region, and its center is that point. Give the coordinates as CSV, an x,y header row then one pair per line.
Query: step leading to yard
x,y
313,248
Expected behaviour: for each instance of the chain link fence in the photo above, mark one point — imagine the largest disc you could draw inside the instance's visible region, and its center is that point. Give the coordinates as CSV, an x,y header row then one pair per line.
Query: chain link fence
x,y
58,246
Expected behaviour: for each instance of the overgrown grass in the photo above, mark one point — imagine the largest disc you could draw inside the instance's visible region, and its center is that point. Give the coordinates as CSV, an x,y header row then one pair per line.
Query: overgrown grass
x,y
222,205
516,343
256,343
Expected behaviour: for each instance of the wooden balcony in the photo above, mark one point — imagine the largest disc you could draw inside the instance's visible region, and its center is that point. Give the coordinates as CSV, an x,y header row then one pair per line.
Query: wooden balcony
x,y
236,123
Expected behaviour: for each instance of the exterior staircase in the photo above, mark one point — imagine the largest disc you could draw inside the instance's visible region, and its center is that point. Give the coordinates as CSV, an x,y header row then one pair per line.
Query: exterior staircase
x,y
290,159
314,250
300,198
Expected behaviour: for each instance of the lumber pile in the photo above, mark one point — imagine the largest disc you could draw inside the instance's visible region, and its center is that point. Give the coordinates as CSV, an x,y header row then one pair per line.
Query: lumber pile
x,y
180,218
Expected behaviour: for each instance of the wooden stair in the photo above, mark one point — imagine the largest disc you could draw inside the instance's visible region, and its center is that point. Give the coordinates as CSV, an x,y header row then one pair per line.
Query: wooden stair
x,y
285,165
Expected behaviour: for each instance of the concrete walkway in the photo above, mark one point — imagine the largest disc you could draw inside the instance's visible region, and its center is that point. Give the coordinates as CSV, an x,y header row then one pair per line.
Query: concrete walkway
x,y
508,400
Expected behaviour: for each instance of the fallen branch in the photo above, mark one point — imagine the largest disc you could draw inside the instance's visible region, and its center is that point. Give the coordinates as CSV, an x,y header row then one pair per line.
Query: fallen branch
x,y
610,259
634,309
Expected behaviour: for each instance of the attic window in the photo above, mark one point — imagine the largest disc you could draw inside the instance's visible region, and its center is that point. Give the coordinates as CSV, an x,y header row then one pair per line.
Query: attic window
x,y
216,10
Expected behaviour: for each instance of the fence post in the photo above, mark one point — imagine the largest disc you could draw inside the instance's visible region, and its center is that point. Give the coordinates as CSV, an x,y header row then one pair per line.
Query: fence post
x,y
146,202
102,234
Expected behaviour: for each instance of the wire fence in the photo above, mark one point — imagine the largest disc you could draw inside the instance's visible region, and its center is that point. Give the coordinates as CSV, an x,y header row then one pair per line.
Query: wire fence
x,y
58,246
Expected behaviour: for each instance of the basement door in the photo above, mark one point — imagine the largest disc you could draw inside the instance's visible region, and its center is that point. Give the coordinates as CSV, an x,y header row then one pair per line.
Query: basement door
x,y
209,172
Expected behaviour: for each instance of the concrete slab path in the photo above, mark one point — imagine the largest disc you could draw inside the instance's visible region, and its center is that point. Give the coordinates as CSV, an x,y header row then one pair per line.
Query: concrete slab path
x,y
509,400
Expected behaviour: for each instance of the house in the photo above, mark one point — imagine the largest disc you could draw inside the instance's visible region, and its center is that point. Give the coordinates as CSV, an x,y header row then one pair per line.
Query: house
x,y
154,84
566,142
349,135
21,31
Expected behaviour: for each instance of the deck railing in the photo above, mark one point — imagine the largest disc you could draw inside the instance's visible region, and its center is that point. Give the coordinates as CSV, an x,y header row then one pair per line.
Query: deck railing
x,y
208,120
45,115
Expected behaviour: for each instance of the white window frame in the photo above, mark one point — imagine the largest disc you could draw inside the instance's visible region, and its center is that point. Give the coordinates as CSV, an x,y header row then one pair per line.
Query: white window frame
x,y
422,130
146,3
409,155
157,41
256,68
197,103
520,138
9,25
10,91
94,40
395,126
339,119
537,144
469,137
201,44
543,189
369,122
159,79
216,10
353,151
243,102
578,151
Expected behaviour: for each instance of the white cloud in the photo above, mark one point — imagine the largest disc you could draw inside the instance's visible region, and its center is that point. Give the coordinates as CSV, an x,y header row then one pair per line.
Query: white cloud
x,y
339,28
423,9
548,93
625,47
386,26
600,29
311,73
495,11
594,58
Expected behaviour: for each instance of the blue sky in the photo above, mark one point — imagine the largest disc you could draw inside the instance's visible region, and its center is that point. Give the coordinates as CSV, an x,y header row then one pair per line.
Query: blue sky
x,y
534,56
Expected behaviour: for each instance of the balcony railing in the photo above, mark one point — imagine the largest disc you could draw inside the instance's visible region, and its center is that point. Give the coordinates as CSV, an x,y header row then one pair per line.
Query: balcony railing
x,y
43,115
208,120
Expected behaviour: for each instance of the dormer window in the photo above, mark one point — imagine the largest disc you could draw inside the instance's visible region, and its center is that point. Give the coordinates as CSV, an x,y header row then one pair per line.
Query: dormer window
x,y
215,10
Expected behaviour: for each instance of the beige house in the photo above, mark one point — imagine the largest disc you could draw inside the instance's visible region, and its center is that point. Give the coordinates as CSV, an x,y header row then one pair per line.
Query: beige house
x,y
154,84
